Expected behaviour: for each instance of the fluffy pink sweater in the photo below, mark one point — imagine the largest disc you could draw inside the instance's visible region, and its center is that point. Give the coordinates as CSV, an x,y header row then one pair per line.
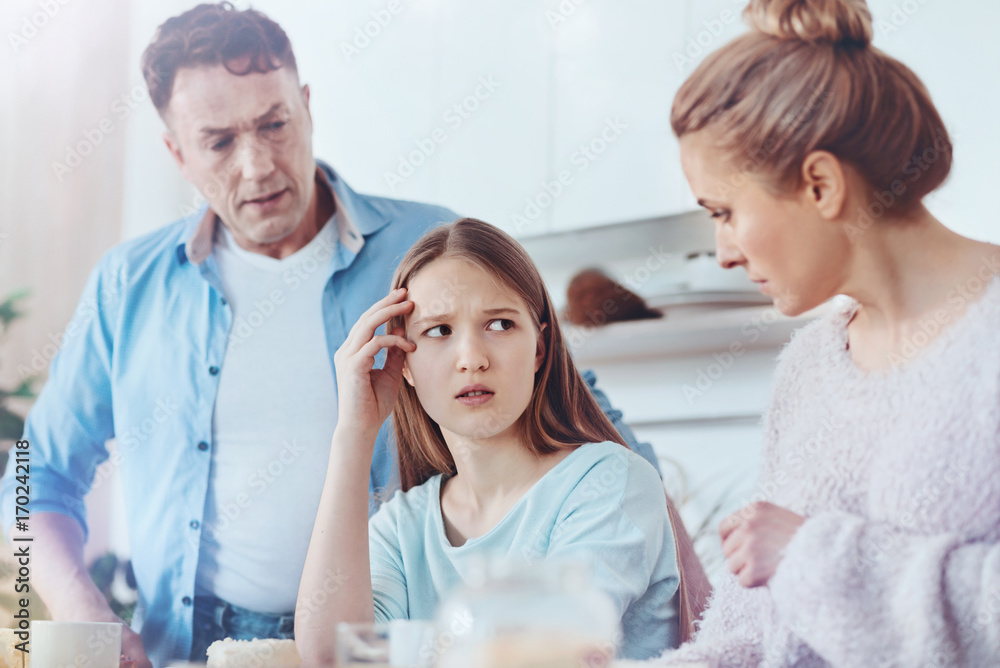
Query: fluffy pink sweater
x,y
898,475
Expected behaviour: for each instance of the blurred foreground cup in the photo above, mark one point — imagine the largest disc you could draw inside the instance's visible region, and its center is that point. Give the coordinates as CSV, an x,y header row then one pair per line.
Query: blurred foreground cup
x,y
72,644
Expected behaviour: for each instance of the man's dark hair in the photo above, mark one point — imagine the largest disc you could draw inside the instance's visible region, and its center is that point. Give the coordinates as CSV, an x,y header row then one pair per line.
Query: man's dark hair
x,y
243,41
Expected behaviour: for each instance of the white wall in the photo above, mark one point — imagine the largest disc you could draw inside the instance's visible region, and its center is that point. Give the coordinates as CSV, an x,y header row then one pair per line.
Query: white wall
x,y
560,82
564,69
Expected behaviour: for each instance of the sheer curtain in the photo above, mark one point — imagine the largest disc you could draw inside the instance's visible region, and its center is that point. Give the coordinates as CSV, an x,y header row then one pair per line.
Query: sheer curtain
x,y
66,95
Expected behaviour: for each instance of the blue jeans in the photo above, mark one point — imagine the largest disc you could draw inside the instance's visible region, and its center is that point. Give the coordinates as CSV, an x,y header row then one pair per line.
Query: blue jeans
x,y
214,619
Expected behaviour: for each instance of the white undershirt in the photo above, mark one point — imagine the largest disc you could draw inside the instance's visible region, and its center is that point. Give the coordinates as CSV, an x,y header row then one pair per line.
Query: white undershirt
x,y
274,418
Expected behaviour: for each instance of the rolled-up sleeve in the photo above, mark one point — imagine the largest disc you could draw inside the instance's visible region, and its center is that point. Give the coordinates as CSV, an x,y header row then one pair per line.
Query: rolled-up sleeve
x,y
68,426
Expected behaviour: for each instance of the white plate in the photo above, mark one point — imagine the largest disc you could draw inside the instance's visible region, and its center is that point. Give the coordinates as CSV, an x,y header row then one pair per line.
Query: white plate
x,y
706,300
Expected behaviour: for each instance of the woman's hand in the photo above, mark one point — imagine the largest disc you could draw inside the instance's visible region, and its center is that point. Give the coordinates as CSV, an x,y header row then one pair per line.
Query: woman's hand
x,y
367,395
754,540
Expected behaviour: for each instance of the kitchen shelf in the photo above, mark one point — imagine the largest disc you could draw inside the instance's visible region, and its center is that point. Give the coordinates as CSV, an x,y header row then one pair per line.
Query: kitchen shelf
x,y
680,234
755,327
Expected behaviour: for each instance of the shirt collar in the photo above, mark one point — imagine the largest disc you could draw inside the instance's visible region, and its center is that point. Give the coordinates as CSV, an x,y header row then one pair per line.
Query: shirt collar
x,y
355,218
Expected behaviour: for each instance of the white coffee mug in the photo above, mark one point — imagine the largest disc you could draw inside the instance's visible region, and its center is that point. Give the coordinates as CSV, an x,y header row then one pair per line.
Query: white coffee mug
x,y
75,644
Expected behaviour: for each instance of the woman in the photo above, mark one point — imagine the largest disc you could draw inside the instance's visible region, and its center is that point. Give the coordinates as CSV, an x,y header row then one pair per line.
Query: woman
x,y
878,546
502,450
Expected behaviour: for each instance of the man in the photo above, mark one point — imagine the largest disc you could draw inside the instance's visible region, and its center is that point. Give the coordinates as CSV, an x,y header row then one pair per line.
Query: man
x,y
205,348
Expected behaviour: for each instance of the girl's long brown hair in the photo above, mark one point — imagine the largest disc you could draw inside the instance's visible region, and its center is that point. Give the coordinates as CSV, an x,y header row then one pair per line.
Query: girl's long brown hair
x,y
562,413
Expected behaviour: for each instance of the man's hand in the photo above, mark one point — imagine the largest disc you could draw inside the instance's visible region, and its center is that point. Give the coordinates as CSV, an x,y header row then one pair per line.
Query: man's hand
x,y
132,648
754,540
63,582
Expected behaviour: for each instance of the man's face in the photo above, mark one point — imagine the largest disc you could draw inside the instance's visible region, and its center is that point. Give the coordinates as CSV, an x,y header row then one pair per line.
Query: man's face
x,y
245,142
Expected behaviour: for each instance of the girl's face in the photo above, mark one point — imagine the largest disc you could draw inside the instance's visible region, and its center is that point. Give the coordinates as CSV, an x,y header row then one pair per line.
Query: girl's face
x,y
796,257
477,350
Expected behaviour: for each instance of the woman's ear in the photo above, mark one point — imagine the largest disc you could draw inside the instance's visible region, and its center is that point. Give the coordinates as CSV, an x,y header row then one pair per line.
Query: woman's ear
x,y
540,347
406,373
825,182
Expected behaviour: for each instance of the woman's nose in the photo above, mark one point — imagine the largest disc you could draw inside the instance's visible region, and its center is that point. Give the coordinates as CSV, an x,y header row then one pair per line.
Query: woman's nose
x,y
727,253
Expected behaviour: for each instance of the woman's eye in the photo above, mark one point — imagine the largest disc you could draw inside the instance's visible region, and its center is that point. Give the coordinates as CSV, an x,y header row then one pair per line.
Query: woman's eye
x,y
438,331
500,325
721,215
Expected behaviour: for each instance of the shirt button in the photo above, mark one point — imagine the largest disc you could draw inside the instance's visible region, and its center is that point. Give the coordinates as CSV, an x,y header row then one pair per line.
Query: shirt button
x,y
194,524
224,301
214,370
186,600
203,446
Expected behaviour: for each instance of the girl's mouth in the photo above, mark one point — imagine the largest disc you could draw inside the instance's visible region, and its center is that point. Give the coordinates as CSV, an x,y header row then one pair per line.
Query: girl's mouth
x,y
475,398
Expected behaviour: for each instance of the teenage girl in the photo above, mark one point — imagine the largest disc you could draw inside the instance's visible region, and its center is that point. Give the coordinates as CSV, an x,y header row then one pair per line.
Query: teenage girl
x,y
502,450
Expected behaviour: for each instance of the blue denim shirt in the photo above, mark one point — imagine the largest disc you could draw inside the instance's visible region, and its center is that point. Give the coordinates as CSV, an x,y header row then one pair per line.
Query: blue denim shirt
x,y
140,361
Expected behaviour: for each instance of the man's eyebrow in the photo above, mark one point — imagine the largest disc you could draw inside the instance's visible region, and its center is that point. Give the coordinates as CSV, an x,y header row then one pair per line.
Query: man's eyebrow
x,y
278,106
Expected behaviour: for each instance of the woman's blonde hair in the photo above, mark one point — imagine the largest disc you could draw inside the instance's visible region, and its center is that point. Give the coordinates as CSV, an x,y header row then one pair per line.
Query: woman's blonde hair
x,y
562,413
807,78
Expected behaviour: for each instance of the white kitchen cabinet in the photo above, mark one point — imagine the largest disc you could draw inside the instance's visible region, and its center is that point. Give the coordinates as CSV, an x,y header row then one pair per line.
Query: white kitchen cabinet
x,y
614,80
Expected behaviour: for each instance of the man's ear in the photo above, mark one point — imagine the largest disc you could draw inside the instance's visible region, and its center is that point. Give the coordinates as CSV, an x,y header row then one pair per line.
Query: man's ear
x,y
540,347
305,99
825,183
174,147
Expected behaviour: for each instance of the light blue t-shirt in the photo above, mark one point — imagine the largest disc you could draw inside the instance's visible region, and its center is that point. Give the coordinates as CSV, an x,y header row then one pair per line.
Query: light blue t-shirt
x,y
602,505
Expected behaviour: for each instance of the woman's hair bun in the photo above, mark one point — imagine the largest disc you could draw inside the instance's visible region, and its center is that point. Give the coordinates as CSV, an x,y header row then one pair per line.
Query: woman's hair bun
x,y
837,22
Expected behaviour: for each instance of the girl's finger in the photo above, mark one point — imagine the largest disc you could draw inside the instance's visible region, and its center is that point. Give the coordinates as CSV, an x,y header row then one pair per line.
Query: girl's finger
x,y
372,348
366,326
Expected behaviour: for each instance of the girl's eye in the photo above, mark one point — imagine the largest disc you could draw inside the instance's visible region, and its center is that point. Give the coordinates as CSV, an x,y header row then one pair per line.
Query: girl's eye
x,y
438,331
721,215
500,325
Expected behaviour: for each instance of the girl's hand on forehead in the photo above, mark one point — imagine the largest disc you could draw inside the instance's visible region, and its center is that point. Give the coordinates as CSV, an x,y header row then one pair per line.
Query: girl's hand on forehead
x,y
366,395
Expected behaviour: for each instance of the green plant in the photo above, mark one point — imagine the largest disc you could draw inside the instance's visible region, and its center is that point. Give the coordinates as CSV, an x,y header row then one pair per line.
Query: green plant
x,y
12,424
103,571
